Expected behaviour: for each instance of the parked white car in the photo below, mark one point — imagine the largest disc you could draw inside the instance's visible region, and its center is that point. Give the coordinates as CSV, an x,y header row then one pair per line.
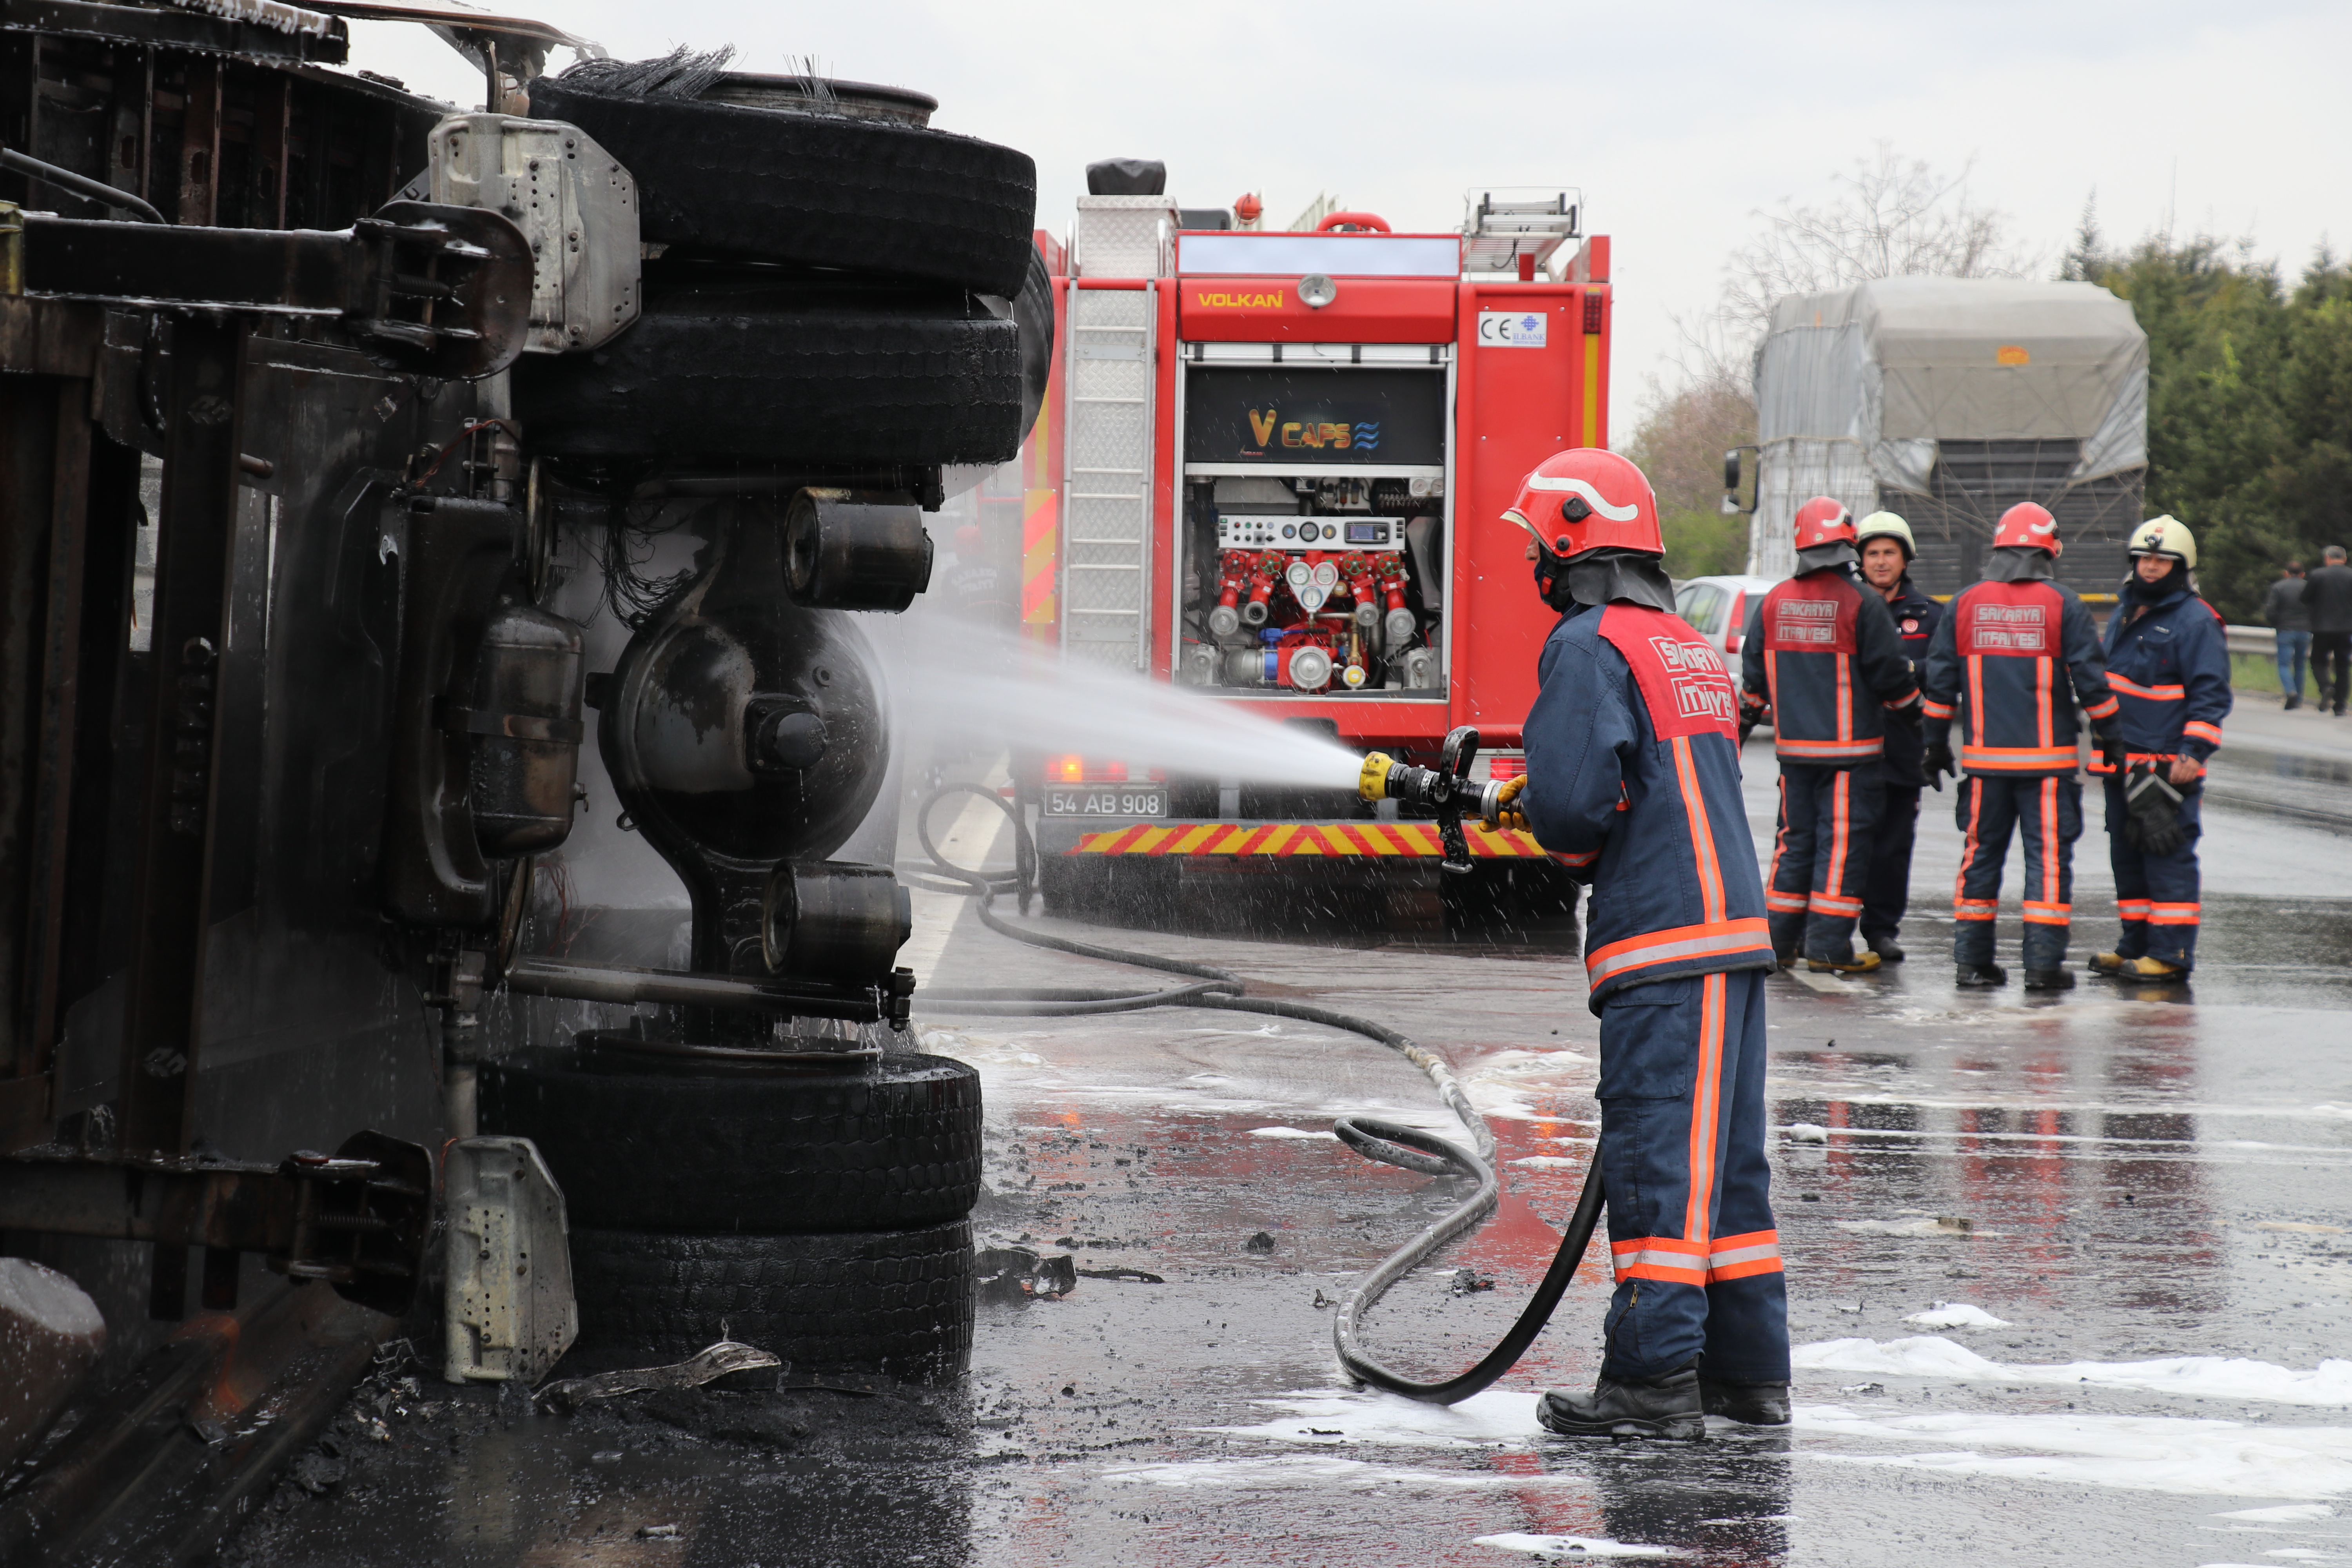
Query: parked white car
x,y
1717,608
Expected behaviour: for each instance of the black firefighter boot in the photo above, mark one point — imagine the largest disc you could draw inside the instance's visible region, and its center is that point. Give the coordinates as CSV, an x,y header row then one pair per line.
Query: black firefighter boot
x,y
1750,1404
1668,1406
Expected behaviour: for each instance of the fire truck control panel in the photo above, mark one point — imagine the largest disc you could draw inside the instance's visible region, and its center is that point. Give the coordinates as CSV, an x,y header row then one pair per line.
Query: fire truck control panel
x,y
1272,463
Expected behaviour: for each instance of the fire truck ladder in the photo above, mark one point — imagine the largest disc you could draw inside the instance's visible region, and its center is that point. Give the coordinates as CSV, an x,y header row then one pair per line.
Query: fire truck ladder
x,y
1106,554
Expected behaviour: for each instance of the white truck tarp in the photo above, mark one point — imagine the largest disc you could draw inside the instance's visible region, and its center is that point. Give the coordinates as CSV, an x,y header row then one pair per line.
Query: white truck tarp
x,y
1854,388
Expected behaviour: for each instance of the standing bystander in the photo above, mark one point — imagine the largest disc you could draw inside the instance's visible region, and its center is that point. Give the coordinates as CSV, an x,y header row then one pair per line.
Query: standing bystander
x,y
2327,600
2284,610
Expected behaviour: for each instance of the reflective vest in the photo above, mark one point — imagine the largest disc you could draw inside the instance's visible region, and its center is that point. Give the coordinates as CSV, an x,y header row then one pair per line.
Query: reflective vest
x,y
2015,662
1824,653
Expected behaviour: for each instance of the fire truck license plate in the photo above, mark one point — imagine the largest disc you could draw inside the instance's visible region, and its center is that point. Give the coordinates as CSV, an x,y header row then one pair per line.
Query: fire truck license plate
x,y
1107,801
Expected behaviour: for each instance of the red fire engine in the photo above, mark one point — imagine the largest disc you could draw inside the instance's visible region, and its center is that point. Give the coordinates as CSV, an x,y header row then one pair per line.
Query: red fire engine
x,y
1271,465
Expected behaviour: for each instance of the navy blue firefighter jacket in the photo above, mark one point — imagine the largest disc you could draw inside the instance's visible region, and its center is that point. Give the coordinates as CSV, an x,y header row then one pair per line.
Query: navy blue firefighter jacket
x,y
2170,670
1633,776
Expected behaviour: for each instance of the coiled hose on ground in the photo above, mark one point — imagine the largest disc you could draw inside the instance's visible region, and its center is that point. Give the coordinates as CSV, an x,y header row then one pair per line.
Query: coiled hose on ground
x,y
1405,1147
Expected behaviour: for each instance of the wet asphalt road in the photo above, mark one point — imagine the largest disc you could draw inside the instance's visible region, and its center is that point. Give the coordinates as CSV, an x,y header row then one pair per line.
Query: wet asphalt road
x,y
2119,1177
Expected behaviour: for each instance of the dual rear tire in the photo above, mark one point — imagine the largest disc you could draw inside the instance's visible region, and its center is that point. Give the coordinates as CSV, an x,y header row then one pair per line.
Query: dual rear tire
x,y
820,1216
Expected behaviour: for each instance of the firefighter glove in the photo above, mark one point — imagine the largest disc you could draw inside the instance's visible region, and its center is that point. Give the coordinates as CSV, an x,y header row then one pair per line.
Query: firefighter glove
x,y
1938,759
2152,811
1509,814
2110,747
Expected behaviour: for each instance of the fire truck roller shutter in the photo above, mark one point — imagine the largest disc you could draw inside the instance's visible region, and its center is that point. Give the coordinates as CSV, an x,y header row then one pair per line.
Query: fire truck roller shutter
x,y
836,374
773,185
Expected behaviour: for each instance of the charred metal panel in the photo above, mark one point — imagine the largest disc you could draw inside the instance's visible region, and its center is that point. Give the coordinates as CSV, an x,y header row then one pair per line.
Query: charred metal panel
x,y
200,485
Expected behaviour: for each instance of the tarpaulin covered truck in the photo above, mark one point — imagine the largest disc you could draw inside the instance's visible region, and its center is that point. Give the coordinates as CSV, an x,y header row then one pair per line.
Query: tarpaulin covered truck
x,y
1270,468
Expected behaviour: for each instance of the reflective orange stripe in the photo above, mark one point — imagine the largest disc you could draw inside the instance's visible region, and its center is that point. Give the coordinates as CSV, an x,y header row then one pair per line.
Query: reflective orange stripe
x,y
2132,908
1996,759
1976,696
1738,1256
2163,914
1787,903
1715,939
2103,708
1835,751
1710,870
2151,693
1834,904
1841,797
2209,734
1970,849
1935,710
1660,1257
1779,848
2043,914
1705,1106
1358,839
2043,732
1974,908
2050,854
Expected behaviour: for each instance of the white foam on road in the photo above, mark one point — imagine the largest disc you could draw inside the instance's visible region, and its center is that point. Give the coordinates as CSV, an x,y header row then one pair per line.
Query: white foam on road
x,y
1552,1162
1956,1315
1288,1132
2201,1377
1301,1470
2285,1513
2134,1453
1498,1418
1573,1547
1948,1227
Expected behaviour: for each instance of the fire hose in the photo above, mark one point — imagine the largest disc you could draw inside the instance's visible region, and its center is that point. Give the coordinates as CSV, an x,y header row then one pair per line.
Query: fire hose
x,y
1405,1147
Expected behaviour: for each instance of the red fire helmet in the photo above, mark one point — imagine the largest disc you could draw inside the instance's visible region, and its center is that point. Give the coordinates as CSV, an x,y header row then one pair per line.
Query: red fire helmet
x,y
1589,499
2027,525
1822,521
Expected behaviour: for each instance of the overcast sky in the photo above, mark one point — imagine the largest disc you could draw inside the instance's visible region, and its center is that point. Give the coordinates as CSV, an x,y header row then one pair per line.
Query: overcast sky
x,y
1678,123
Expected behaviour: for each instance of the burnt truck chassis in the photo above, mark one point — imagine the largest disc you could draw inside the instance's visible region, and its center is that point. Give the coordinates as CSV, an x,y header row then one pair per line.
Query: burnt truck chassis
x,y
254,889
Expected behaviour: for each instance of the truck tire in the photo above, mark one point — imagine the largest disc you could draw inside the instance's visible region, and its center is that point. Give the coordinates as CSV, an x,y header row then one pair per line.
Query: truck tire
x,y
892,1145
866,195
895,1301
782,378
1032,314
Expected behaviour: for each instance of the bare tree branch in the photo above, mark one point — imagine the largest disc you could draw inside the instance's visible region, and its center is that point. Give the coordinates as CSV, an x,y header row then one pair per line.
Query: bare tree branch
x,y
1891,217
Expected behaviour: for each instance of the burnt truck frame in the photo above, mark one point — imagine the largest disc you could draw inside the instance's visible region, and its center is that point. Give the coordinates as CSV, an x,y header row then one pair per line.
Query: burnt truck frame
x,y
268,795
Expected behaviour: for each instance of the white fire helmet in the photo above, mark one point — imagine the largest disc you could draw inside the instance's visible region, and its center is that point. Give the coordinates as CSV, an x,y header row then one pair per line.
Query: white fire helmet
x,y
2165,535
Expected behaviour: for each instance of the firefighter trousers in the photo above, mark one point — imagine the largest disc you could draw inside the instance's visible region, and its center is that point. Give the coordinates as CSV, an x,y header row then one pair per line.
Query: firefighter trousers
x,y
1887,895
2045,815
1683,1155
2156,894
1820,858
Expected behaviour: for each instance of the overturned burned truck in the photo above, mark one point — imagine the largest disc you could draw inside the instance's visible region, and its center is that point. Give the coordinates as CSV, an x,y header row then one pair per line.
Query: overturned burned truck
x,y
342,437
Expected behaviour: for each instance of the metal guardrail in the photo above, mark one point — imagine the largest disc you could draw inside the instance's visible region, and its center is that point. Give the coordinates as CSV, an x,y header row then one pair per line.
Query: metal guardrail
x,y
2252,640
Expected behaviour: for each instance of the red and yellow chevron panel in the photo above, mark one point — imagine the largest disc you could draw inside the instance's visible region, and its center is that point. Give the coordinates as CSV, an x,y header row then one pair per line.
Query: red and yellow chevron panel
x,y
1358,838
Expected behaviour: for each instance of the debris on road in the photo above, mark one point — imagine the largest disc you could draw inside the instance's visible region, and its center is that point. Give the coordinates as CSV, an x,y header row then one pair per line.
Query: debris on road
x,y
1018,1274
712,1362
